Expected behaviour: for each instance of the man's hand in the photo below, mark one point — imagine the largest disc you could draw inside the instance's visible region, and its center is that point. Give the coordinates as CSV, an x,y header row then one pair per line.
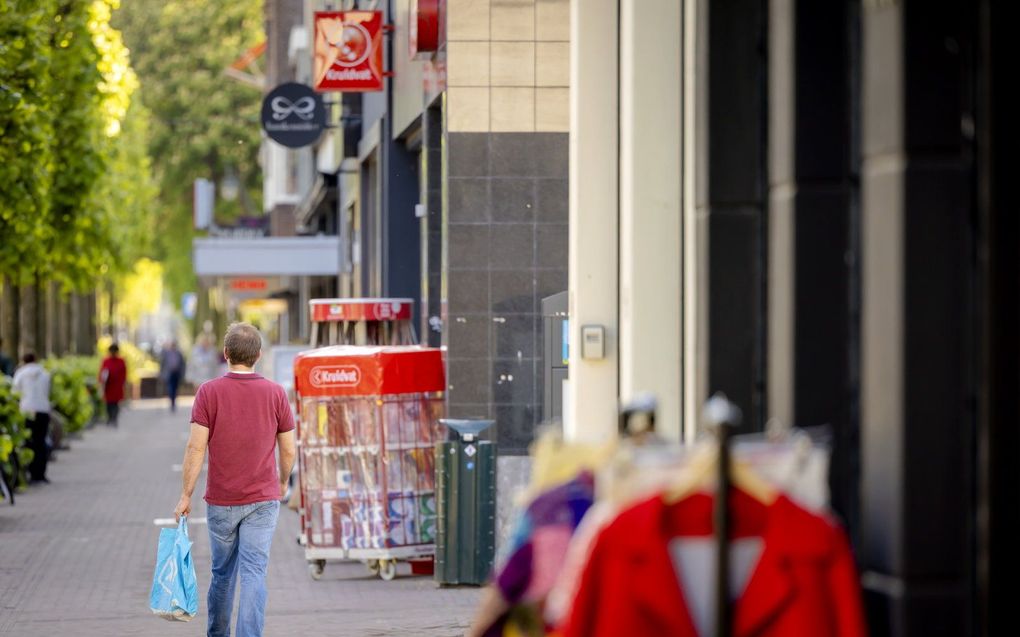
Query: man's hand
x,y
183,507
283,489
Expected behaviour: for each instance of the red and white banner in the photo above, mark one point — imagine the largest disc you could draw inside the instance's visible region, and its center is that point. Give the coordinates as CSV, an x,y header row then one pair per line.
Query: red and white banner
x,y
352,370
348,51
361,309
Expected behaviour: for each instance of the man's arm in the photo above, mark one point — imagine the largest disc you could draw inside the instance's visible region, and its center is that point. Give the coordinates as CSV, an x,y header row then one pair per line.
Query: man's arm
x,y
288,451
194,457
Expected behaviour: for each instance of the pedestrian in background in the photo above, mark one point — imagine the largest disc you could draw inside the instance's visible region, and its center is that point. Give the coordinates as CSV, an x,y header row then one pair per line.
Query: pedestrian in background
x,y
32,381
171,370
112,375
6,364
204,362
240,418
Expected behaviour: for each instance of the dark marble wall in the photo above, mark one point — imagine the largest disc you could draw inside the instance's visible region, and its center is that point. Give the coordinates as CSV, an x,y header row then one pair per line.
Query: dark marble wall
x,y
507,239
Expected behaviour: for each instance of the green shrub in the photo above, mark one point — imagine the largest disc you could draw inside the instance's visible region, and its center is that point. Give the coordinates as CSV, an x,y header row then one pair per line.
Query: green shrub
x,y
14,435
74,389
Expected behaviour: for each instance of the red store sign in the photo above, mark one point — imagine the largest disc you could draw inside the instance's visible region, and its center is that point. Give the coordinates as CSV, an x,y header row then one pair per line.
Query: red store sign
x,y
423,28
348,51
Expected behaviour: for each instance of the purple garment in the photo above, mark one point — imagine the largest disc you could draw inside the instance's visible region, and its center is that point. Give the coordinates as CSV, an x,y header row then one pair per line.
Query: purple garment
x,y
548,520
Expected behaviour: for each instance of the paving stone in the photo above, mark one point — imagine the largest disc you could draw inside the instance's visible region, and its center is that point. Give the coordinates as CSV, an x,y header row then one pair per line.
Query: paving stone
x,y
76,555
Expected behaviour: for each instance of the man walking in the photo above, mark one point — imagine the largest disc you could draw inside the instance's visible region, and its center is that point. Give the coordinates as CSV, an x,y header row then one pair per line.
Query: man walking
x,y
32,381
241,418
171,369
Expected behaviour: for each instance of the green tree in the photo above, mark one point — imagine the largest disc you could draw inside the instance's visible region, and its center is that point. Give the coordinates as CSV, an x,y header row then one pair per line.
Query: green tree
x,y
76,195
203,124
26,131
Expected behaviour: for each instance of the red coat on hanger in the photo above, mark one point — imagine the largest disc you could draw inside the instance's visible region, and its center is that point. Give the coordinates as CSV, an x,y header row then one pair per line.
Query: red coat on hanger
x,y
805,582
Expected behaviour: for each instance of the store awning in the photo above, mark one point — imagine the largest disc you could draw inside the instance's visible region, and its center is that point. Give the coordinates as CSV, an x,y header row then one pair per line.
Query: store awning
x,y
267,256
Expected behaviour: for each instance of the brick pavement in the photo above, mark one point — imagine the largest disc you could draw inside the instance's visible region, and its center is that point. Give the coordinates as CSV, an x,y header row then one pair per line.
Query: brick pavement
x,y
76,556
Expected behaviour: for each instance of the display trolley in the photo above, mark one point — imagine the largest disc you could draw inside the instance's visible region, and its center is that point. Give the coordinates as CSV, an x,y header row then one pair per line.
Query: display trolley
x,y
362,322
368,422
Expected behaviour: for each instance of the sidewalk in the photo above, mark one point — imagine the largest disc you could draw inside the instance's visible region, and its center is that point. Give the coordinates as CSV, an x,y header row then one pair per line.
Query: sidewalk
x,y
76,556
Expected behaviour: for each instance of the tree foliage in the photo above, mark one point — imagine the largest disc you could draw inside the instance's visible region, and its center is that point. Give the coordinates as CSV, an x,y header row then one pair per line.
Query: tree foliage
x,y
203,124
71,183
26,132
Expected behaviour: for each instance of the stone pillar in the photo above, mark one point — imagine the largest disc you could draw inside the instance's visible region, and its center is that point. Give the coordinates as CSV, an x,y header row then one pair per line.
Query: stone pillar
x,y
650,207
812,318
726,215
917,333
591,400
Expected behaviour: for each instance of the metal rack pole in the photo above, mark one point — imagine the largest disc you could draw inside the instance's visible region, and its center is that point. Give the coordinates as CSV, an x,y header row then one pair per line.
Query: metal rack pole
x,y
720,415
721,515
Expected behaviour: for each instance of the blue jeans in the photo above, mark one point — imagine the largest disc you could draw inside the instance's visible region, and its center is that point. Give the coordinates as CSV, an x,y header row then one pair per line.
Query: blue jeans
x,y
240,537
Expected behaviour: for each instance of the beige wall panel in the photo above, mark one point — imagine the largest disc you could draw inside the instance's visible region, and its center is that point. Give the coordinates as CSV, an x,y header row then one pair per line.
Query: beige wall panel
x,y
467,64
513,64
552,64
468,110
512,20
467,20
512,110
552,20
552,110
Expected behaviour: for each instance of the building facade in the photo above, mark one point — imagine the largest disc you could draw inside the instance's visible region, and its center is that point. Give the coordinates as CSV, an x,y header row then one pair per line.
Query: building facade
x,y
801,205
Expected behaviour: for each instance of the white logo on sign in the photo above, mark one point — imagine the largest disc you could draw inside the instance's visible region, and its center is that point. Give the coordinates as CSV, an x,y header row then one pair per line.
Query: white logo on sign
x,y
355,45
343,376
383,310
283,108
470,451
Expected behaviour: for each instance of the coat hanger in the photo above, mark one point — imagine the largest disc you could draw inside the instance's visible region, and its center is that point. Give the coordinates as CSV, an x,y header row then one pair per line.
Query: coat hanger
x,y
699,475
703,469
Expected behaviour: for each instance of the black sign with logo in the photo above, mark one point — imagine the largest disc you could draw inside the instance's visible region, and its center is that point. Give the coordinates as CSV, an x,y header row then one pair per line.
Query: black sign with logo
x,y
293,115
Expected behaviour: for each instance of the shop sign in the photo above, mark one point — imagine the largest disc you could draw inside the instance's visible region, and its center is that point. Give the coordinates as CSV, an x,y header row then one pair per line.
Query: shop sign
x,y
340,376
423,28
248,285
348,51
293,115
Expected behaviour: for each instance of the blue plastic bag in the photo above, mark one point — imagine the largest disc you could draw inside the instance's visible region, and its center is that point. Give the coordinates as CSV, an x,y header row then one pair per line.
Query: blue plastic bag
x,y
174,588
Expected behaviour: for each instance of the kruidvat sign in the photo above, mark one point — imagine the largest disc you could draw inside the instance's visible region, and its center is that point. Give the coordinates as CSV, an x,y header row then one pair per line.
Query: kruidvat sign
x,y
339,376
293,115
348,51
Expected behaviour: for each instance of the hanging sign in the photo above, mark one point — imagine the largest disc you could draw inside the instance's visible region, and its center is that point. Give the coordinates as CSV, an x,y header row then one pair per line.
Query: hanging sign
x,y
348,51
293,115
423,28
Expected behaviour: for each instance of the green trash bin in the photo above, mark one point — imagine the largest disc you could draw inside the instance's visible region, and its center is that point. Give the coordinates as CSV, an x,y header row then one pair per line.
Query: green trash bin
x,y
466,501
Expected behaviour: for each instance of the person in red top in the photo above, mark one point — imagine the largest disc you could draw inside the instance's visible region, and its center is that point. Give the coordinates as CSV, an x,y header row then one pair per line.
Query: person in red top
x,y
112,375
241,418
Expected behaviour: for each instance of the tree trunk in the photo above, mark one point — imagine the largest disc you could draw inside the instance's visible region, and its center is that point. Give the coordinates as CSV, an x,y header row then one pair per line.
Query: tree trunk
x,y
52,320
10,322
60,322
42,317
29,319
75,327
93,327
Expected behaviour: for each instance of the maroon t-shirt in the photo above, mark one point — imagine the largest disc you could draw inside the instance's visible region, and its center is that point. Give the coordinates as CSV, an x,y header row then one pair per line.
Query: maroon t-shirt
x,y
243,412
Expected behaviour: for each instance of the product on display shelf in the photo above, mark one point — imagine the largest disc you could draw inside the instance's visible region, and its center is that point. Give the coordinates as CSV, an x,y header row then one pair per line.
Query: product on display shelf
x,y
368,461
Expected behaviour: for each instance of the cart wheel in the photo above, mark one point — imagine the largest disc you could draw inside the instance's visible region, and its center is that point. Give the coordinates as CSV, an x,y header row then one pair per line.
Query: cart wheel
x,y
373,566
387,569
316,568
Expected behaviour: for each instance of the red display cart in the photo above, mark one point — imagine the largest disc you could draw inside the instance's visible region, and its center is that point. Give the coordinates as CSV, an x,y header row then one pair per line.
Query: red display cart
x,y
368,421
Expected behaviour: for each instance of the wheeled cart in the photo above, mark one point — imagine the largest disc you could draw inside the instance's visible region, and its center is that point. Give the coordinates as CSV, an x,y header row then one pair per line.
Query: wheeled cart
x,y
368,423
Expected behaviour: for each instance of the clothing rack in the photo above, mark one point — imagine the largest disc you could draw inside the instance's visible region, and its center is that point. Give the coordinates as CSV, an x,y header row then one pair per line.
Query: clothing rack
x,y
722,416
